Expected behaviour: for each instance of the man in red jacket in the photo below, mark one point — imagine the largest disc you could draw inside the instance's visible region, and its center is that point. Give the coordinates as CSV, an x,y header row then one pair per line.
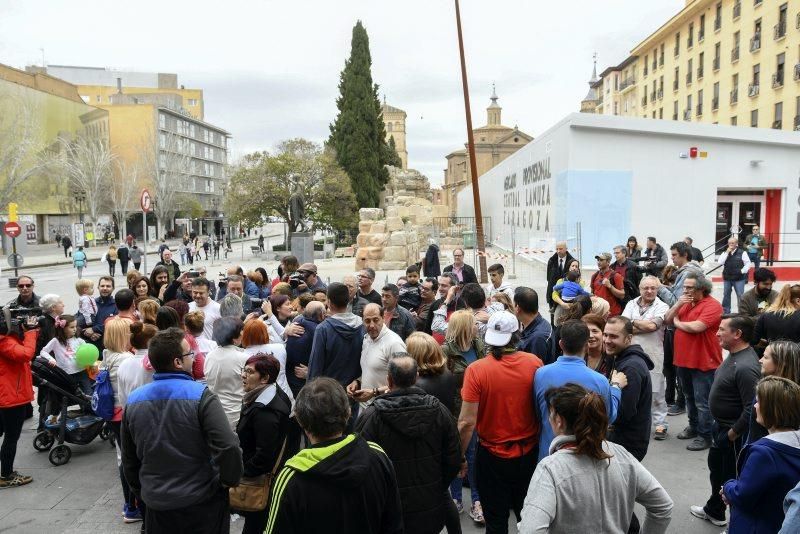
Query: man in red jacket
x,y
16,391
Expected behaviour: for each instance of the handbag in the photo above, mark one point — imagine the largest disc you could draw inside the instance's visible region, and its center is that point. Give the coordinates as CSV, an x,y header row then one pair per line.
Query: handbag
x,y
252,493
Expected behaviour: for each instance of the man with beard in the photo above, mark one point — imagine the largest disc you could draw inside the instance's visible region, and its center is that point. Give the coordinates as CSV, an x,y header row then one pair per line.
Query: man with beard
x,y
761,296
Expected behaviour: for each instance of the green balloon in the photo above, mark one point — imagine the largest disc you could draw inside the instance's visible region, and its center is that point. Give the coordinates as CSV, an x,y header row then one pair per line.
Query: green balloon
x,y
86,355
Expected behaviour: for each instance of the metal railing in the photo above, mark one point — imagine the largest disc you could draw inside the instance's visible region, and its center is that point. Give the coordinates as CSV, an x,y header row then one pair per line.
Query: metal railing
x,y
737,10
735,54
755,43
797,123
753,89
734,96
780,30
777,80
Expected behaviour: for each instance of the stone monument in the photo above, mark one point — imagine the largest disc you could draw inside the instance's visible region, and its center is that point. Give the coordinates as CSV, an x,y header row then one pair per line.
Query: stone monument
x,y
301,243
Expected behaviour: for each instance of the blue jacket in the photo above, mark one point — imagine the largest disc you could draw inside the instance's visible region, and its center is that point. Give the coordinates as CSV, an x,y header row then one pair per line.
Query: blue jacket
x,y
252,290
535,336
298,352
569,370
336,349
175,429
791,507
768,469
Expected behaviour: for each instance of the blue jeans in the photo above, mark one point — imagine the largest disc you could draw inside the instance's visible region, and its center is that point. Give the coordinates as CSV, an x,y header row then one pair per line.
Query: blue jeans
x,y
696,388
736,285
755,257
456,486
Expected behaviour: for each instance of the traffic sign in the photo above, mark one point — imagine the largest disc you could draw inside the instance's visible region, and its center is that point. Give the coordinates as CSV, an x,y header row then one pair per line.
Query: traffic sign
x,y
146,200
12,229
15,260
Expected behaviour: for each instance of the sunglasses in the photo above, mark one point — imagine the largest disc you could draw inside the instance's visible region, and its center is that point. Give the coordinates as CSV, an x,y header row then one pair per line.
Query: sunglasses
x,y
20,286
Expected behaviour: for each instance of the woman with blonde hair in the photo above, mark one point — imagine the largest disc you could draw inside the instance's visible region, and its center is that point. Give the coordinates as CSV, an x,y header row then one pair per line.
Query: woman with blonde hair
x,y
780,321
462,346
148,309
434,376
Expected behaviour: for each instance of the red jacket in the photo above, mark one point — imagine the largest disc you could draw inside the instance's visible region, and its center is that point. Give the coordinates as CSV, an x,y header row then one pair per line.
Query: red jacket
x,y
16,383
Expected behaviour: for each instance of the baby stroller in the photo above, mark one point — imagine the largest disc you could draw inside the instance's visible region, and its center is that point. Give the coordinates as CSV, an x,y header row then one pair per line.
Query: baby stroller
x,y
72,427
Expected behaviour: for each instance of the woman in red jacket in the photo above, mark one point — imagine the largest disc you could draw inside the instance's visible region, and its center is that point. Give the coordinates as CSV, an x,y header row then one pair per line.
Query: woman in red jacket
x,y
16,391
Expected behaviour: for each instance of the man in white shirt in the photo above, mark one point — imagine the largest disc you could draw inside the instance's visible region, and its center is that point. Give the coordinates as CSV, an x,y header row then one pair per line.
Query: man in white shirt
x,y
380,343
647,313
201,293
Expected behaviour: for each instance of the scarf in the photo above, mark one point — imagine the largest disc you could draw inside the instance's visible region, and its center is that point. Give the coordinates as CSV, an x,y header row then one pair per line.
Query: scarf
x,y
251,396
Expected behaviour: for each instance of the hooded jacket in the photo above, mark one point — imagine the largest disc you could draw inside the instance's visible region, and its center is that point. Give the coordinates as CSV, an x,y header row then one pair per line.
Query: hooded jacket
x,y
336,349
631,428
768,469
430,265
343,485
420,437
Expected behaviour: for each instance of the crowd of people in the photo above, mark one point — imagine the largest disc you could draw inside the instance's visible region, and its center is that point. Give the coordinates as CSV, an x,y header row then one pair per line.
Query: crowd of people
x,y
350,407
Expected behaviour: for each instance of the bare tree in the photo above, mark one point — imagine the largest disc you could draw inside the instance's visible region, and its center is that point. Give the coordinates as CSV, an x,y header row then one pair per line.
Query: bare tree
x,y
88,165
21,145
165,163
123,193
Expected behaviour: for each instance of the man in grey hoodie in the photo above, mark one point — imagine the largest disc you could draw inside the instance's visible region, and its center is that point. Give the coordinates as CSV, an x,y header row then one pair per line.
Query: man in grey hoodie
x,y
336,348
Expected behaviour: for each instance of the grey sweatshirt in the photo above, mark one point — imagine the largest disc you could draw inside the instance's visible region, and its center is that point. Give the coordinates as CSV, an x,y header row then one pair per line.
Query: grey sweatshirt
x,y
575,493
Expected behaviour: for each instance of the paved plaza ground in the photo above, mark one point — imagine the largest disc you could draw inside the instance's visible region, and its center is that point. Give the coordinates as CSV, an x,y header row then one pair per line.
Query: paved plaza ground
x,y
85,496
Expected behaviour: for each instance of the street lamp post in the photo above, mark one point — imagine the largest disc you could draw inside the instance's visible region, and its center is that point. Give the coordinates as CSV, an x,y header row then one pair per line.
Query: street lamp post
x,y
80,197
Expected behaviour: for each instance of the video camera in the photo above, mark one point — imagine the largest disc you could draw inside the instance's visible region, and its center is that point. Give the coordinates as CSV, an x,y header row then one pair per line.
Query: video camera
x,y
296,278
255,304
648,259
14,319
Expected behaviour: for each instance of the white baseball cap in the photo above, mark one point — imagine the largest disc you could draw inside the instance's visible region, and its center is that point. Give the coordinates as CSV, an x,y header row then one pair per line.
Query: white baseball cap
x,y
500,327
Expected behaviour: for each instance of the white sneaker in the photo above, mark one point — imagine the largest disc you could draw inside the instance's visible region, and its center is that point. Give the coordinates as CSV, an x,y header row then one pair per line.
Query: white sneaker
x,y
698,511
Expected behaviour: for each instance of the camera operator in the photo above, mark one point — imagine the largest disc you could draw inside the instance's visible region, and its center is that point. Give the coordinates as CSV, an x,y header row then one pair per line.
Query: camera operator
x,y
234,284
17,349
311,281
654,258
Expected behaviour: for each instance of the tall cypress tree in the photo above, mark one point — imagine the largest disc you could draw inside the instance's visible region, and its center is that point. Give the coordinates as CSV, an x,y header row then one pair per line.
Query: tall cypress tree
x,y
357,134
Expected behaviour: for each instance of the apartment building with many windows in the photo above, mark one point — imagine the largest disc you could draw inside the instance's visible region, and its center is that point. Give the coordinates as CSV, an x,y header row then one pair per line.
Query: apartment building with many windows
x,y
733,62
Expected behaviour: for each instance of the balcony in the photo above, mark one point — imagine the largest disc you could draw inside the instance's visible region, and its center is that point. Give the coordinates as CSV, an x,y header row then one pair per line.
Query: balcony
x,y
653,96
737,10
627,83
687,115
661,93
644,101
777,80
779,30
717,24
699,73
734,96
701,35
797,123
777,125
753,89
797,72
755,43
689,78
735,54
715,64
715,103
699,110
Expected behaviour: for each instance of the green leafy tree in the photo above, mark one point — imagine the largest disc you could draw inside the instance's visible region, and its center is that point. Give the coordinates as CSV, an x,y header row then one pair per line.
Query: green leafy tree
x,y
392,157
263,184
357,135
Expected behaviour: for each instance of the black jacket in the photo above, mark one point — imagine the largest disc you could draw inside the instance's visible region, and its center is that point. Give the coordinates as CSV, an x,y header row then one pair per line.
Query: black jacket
x,y
342,485
442,386
298,351
430,265
261,430
468,273
123,254
554,273
420,437
631,429
357,305
174,291
176,270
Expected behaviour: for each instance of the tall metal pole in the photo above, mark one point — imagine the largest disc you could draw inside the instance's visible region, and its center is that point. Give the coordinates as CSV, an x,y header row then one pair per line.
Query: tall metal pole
x,y
476,193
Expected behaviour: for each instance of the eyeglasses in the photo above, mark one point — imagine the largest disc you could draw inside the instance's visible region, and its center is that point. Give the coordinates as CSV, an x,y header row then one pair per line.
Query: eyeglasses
x,y
189,354
20,286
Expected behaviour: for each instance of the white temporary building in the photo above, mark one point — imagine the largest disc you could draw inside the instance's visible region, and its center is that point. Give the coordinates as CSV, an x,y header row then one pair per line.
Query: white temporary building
x,y
593,180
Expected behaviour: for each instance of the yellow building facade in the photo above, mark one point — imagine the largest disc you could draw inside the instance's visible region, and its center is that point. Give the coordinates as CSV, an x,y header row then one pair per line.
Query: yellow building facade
x,y
394,122
733,62
51,109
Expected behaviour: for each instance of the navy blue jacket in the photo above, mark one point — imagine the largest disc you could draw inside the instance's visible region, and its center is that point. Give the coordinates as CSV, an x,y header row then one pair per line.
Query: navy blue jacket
x,y
298,352
336,351
175,429
534,338
106,307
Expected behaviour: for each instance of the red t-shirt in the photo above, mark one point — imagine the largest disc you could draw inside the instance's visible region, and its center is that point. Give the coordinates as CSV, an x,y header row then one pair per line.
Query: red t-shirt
x,y
599,290
507,423
699,351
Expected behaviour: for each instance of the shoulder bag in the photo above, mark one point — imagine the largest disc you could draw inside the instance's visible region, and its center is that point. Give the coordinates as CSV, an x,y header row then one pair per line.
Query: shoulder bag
x,y
252,493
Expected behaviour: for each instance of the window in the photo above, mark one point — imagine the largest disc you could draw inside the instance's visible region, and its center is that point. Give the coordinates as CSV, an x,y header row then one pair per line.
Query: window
x,y
755,85
675,110
778,122
780,27
162,141
99,99
206,169
690,37
660,87
754,118
735,89
389,125
162,121
677,44
737,9
162,160
701,60
701,30
192,101
655,60
660,113
717,52
718,17
777,78
699,102
734,121
687,113
689,72
86,98
715,98
735,49
661,56
675,81
755,41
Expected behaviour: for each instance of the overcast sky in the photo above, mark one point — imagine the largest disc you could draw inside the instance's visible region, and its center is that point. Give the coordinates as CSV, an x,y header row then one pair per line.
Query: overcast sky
x,y
270,69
